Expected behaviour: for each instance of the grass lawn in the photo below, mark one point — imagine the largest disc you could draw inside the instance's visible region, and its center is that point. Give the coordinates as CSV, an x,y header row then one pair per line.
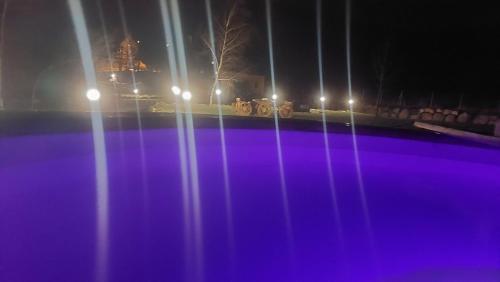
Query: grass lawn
x,y
340,117
331,116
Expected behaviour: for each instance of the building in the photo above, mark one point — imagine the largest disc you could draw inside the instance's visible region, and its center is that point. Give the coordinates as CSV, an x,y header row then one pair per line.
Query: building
x,y
125,58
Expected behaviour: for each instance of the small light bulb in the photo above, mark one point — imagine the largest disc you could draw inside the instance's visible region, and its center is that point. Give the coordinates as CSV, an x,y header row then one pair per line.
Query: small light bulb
x,y
274,97
218,92
186,95
176,90
93,94
136,91
351,102
113,76
322,99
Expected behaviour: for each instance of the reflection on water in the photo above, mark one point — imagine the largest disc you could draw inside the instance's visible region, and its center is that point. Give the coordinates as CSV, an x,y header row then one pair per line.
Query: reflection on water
x,y
445,218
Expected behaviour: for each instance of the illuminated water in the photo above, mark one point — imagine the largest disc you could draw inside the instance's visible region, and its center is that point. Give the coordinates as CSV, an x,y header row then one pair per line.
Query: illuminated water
x,y
322,100
359,172
101,248
434,205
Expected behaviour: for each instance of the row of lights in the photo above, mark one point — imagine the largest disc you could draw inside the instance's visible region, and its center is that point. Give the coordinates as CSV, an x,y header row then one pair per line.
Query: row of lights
x,y
187,95
94,94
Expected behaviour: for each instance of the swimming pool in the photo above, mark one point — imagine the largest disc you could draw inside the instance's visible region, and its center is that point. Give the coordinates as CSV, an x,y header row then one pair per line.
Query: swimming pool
x,y
433,207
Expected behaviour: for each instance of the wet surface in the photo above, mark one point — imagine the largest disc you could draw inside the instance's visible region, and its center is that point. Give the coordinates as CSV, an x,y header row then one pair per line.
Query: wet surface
x,y
433,207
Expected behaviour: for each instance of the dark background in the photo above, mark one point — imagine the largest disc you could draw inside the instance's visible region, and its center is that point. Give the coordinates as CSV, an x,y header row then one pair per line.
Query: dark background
x,y
441,46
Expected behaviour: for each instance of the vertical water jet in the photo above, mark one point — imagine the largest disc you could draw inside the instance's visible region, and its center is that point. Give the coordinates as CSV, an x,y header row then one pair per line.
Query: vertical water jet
x,y
181,135
218,92
359,175
191,140
274,97
100,158
331,180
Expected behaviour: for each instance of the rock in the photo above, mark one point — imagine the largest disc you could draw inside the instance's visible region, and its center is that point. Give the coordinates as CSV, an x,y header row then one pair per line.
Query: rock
x,y
447,112
429,110
454,113
438,117
381,110
439,110
450,118
404,114
385,114
481,120
414,111
497,128
426,116
463,117
414,117
394,112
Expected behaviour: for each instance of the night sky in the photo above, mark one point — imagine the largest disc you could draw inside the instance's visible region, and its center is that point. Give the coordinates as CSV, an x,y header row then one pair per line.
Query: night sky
x,y
441,46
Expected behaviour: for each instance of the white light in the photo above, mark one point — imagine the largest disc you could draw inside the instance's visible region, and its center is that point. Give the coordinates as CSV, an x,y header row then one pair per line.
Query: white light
x,y
351,101
186,95
176,90
113,76
136,91
138,42
274,97
93,94
322,99
218,91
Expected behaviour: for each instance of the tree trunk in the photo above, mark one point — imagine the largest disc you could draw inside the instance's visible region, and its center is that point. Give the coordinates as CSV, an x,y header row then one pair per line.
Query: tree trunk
x,y
212,92
2,41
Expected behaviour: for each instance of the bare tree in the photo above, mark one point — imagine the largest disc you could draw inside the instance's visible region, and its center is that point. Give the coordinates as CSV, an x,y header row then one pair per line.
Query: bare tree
x,y
2,41
382,67
232,36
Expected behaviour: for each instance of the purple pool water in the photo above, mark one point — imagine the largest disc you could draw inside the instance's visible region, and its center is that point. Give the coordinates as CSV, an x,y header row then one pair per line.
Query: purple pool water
x,y
434,209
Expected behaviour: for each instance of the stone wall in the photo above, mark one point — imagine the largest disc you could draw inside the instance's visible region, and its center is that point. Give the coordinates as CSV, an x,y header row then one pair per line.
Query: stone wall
x,y
436,115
